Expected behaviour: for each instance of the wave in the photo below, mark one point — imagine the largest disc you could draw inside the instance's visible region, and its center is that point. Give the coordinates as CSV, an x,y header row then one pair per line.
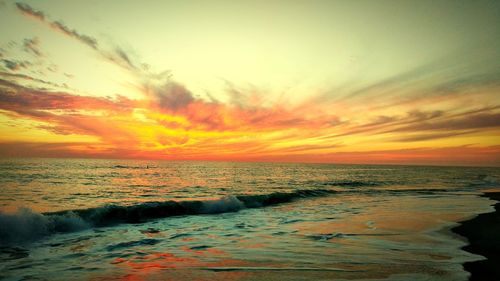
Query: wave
x,y
26,225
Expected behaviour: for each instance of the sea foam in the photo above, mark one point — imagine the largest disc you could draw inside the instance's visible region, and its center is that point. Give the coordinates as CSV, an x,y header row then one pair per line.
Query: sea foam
x,y
26,225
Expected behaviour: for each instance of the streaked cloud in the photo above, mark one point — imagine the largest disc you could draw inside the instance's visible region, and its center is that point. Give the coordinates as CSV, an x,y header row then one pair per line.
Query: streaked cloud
x,y
57,25
32,45
116,55
15,65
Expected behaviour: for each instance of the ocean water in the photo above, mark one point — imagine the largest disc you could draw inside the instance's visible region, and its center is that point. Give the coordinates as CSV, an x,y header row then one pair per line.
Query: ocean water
x,y
68,219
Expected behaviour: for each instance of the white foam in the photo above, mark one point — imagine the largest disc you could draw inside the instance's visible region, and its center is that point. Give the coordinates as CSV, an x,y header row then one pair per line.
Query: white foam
x,y
225,204
26,225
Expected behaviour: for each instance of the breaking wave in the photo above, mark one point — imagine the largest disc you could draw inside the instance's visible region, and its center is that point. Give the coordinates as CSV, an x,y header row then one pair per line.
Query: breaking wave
x,y
26,225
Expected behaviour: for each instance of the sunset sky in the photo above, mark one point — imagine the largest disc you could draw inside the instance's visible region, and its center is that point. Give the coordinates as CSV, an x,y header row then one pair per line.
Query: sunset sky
x,y
398,82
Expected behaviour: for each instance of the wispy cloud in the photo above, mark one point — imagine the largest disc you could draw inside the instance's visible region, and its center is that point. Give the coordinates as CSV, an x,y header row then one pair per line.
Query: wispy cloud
x,y
116,55
32,45
14,96
433,136
57,25
15,65
474,121
27,10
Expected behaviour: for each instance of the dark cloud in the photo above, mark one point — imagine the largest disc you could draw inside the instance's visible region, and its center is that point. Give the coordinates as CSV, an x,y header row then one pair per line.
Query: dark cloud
x,y
457,73
57,25
476,121
307,148
418,120
24,100
27,149
27,10
62,112
417,115
465,155
411,117
62,150
460,83
85,39
395,82
379,121
52,68
32,45
432,136
123,57
117,55
246,97
171,96
19,76
15,65
476,111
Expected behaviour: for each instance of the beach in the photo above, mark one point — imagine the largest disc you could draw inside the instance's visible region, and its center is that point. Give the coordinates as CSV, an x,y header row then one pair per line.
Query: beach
x,y
483,232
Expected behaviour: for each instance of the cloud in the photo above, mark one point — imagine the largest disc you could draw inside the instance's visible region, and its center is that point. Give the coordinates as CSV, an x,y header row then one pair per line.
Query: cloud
x,y
19,76
453,155
85,39
417,115
397,81
27,10
57,25
171,121
18,98
170,95
174,124
15,65
173,98
432,136
32,45
62,150
117,55
67,114
475,121
460,72
121,57
417,120
169,118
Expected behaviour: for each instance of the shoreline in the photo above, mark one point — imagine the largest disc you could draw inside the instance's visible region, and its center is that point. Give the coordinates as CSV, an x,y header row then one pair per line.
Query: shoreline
x,y
483,235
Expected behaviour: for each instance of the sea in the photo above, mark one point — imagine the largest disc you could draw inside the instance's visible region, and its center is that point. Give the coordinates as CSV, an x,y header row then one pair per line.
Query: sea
x,y
86,219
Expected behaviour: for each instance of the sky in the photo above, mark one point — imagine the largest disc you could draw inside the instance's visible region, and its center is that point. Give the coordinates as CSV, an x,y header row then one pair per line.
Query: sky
x,y
386,82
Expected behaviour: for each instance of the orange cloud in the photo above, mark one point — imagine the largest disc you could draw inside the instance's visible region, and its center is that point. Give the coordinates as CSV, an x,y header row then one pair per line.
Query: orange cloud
x,y
171,123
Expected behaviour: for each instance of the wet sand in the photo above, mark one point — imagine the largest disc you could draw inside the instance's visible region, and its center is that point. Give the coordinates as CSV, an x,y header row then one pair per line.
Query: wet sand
x,y
483,233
